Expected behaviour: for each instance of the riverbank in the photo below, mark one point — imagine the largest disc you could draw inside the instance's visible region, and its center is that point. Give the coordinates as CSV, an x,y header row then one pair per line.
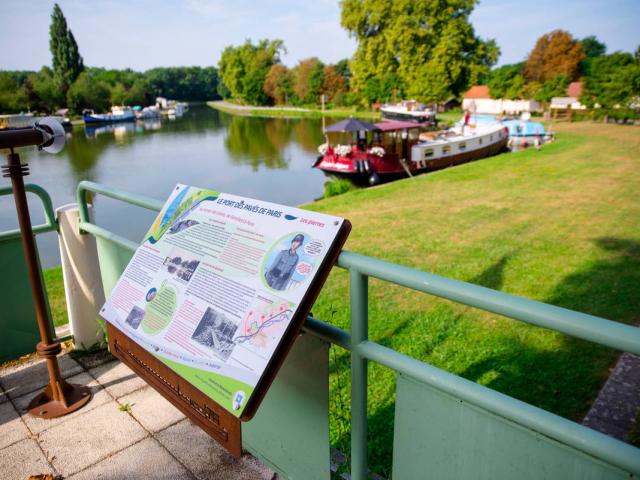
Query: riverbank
x,y
291,112
559,225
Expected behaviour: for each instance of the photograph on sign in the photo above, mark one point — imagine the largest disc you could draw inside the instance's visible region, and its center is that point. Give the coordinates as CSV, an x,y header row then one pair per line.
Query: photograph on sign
x,y
213,289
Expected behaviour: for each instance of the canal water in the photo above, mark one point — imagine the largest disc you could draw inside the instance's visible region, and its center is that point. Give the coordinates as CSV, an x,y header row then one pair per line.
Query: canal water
x,y
265,158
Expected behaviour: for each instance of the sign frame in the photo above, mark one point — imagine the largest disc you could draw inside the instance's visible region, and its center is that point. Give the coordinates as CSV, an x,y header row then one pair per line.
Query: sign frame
x,y
216,420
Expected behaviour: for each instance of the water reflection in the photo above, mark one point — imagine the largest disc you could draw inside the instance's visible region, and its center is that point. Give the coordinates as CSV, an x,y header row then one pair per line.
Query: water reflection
x,y
258,141
267,158
308,133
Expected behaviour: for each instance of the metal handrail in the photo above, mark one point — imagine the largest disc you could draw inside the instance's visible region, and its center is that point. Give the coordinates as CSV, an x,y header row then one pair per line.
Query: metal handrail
x,y
50,224
580,325
587,327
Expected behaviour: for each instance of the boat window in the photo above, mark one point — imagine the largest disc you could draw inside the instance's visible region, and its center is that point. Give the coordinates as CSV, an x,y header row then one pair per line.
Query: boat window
x,y
480,140
462,146
388,141
446,149
491,138
428,152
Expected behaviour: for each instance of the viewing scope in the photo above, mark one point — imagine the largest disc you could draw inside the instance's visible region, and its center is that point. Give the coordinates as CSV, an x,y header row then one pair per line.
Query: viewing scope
x,y
47,134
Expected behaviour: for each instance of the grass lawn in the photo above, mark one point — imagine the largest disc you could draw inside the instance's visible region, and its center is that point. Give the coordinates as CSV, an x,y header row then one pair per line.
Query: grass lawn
x,y
560,225
55,290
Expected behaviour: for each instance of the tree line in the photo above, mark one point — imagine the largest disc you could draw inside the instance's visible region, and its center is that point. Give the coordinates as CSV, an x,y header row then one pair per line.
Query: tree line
x,y
70,84
405,49
609,80
411,50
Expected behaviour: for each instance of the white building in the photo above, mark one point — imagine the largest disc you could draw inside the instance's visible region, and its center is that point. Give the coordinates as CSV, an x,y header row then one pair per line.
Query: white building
x,y
479,100
574,90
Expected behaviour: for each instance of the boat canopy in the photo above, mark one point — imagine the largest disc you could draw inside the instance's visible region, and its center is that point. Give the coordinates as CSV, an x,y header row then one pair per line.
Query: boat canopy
x,y
395,125
351,125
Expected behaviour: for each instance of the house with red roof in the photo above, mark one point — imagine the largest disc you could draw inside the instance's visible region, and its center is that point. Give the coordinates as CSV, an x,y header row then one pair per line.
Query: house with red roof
x,y
478,100
572,100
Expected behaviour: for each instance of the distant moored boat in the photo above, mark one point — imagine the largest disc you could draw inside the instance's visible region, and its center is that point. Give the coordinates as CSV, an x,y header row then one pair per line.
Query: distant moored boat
x,y
408,111
118,114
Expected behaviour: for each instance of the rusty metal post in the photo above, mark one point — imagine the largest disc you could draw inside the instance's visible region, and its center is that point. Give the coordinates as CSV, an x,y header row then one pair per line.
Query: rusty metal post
x,y
59,397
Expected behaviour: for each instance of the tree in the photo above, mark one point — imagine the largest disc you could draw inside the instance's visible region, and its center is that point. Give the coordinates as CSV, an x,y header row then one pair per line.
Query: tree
x,y
277,84
66,60
243,69
555,53
88,93
181,83
13,96
592,48
507,81
554,87
42,89
342,67
333,83
429,44
308,80
615,81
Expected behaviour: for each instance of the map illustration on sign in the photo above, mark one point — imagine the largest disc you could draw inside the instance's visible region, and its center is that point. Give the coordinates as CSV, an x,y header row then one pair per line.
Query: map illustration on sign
x,y
215,285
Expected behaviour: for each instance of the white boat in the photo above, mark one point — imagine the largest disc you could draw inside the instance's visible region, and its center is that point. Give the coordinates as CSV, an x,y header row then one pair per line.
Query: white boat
x,y
19,120
408,111
148,113
458,145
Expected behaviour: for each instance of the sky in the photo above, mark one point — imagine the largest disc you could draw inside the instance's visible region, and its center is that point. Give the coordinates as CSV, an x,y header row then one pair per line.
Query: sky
x,y
142,34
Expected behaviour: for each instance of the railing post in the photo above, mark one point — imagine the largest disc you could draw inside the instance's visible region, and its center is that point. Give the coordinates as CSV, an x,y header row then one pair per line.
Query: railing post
x,y
359,333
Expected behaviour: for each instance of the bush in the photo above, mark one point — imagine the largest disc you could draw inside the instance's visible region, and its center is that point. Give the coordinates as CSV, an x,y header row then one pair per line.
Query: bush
x,y
338,186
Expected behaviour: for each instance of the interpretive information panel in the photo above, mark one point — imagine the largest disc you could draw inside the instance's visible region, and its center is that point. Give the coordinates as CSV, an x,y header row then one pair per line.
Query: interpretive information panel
x,y
215,284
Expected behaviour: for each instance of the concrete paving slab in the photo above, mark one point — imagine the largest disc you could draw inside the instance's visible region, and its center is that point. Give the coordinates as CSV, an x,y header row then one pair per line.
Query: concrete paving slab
x,y
30,376
151,409
22,459
86,439
144,460
3,396
615,409
37,425
117,378
208,460
11,427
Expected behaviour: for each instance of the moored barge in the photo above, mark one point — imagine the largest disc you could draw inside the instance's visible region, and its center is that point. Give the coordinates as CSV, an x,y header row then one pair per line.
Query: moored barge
x,y
388,150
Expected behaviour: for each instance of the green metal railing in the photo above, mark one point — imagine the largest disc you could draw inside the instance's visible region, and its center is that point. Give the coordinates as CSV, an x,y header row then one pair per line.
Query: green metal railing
x,y
18,322
545,424
49,225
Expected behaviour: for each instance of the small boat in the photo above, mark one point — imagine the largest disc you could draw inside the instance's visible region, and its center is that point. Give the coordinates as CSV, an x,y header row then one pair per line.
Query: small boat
x,y
148,113
118,114
393,149
525,133
408,111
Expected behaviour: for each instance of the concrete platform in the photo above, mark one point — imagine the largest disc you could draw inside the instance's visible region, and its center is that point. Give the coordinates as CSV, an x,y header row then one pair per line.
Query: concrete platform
x,y
127,430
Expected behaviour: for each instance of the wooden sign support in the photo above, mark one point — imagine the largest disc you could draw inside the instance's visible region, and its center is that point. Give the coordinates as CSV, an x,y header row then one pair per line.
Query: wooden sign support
x,y
198,407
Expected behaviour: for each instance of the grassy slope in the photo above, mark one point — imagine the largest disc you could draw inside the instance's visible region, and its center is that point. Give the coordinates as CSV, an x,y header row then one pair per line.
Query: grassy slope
x,y
55,290
559,225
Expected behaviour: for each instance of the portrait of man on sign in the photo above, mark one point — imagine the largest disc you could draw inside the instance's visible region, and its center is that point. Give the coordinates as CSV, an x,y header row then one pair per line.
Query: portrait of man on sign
x,y
280,271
